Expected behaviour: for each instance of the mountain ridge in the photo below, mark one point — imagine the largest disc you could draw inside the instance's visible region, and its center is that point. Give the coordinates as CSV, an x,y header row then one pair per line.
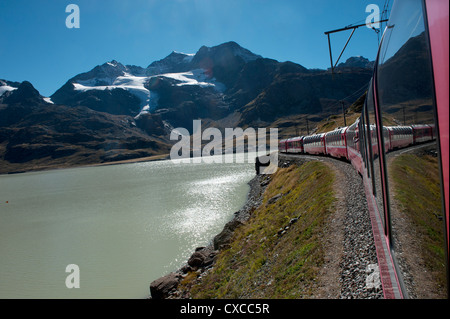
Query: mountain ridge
x,y
224,85
205,84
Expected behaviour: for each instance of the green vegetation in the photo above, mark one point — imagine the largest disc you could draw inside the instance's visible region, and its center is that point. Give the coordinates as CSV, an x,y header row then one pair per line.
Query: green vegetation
x,y
265,262
417,191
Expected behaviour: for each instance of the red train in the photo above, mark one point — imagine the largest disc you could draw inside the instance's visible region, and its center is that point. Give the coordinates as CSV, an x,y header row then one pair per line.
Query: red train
x,y
410,85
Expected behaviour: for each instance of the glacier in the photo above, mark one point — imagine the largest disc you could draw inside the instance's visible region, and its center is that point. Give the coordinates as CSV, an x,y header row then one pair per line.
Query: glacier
x,y
6,88
136,84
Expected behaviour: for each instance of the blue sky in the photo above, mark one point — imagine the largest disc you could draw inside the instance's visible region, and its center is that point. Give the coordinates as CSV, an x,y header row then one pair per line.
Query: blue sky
x,y
36,45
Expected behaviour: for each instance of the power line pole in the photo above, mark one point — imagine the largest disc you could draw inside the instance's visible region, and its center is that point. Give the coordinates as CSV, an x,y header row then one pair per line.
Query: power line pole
x,y
353,28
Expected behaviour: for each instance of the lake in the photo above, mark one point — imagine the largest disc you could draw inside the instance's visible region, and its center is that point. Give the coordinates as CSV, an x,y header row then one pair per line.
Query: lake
x,y
122,225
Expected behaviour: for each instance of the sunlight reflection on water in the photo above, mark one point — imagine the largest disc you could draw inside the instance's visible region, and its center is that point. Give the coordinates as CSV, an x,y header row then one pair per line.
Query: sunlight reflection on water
x,y
124,225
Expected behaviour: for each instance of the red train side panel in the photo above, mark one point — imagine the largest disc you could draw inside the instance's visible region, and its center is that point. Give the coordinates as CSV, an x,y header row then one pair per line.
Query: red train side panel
x,y
438,25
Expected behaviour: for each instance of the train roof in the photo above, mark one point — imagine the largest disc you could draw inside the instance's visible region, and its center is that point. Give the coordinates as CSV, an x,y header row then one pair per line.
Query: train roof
x,y
339,129
402,127
296,138
422,125
315,135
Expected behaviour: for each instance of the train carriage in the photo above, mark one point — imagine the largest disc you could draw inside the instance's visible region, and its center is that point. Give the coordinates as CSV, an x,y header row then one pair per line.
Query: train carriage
x,y
315,144
400,136
386,139
336,144
294,145
282,146
422,133
353,145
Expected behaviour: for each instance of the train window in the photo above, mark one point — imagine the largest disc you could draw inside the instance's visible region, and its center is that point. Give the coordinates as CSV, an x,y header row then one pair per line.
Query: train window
x,y
367,140
373,150
405,96
362,142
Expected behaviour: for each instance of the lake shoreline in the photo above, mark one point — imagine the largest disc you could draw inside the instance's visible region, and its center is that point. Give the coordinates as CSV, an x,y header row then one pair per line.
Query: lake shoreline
x,y
203,258
30,168
59,167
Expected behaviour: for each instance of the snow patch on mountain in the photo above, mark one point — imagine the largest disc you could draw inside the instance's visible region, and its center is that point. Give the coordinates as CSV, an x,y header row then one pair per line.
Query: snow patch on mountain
x,y
182,69
48,100
4,87
135,84
195,77
128,82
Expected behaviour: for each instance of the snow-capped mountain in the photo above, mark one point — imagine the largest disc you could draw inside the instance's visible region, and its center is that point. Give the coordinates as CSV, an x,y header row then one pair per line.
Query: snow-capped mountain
x,y
7,88
117,111
120,79
37,134
133,83
212,83
20,93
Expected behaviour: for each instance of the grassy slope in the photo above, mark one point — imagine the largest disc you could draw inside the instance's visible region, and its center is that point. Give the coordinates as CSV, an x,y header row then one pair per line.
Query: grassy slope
x,y
417,190
260,263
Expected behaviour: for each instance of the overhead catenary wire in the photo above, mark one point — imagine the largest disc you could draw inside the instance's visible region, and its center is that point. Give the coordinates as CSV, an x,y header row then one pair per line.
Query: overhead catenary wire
x,y
357,93
382,18
354,27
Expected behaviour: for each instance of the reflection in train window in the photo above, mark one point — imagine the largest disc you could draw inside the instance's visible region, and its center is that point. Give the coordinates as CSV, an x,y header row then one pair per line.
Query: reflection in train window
x,y
367,142
374,151
405,97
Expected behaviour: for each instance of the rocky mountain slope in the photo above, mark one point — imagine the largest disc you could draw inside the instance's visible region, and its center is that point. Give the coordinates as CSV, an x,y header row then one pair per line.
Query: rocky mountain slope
x,y
36,134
